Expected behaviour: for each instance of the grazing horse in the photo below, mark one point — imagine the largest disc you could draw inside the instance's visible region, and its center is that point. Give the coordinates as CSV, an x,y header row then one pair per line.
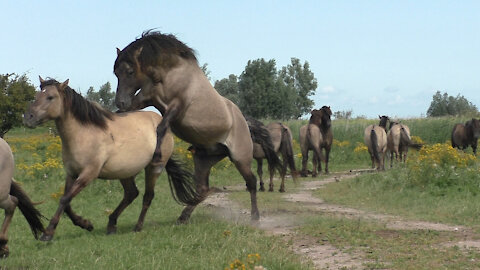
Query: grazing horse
x,y
166,72
465,135
398,141
282,143
11,196
317,135
375,137
97,143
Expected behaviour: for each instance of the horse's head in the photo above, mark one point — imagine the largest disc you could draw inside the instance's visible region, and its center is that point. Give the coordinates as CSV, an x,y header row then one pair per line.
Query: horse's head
x,y
321,117
129,75
474,124
383,121
393,123
48,103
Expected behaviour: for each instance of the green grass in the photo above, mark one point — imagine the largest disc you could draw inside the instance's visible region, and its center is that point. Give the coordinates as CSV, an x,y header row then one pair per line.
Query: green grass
x,y
209,243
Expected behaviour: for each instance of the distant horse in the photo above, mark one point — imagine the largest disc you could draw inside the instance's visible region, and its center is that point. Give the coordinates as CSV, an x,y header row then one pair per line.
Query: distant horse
x,y
280,138
99,144
317,135
466,135
375,137
166,72
398,142
11,196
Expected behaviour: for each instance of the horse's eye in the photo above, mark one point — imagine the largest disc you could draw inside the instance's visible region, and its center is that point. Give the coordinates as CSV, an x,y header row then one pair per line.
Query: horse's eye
x,y
130,72
49,97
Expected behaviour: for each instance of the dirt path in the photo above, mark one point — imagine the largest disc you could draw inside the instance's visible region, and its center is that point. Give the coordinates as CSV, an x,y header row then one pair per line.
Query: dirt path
x,y
323,255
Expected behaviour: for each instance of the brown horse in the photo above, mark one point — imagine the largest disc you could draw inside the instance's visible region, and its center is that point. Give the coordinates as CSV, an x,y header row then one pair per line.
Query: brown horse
x,y
375,137
282,143
11,196
398,142
317,135
167,73
99,144
466,135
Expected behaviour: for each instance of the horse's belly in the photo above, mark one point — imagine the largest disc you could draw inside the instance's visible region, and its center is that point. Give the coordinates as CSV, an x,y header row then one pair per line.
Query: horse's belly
x,y
125,167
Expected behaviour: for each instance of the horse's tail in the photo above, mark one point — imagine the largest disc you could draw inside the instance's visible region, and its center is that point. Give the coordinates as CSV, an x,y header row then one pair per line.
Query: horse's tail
x,y
317,151
374,142
405,139
261,136
287,149
31,214
182,184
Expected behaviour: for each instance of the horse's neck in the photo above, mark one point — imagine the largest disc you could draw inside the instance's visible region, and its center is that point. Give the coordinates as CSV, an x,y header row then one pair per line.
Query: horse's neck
x,y
68,128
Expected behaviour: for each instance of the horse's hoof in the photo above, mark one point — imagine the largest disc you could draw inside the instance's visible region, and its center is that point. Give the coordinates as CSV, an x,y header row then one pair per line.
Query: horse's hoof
x,y
255,217
4,252
270,189
111,231
181,221
46,237
89,226
138,228
261,189
281,190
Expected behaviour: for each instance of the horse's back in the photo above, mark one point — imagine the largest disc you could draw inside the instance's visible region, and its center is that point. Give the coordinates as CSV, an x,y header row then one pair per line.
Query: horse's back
x,y
7,166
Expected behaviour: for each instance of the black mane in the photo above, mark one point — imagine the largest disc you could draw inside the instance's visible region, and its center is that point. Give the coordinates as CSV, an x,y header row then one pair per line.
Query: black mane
x,y
85,111
156,47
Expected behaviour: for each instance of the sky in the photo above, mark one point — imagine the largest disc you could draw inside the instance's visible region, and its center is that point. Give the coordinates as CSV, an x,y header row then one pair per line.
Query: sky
x,y
370,57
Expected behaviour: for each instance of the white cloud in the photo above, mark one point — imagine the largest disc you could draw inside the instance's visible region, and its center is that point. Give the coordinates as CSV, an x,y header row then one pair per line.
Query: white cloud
x,y
328,89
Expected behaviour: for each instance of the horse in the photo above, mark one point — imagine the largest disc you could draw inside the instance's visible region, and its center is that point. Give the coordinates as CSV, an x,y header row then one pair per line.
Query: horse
x,y
166,74
466,135
317,135
375,137
279,142
398,141
97,143
11,196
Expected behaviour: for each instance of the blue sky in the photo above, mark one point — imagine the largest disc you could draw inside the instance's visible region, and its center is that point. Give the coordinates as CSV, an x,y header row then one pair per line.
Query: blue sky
x,y
371,57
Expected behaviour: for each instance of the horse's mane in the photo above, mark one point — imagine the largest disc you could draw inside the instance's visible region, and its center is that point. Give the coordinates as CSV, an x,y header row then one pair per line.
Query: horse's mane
x,y
156,47
85,111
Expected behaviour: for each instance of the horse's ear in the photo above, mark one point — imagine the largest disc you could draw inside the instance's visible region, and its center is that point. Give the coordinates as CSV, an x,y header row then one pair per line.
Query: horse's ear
x,y
379,117
41,79
118,51
64,84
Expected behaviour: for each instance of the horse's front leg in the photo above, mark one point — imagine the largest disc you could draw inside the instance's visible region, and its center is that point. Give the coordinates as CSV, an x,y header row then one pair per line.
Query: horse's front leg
x,y
170,115
71,190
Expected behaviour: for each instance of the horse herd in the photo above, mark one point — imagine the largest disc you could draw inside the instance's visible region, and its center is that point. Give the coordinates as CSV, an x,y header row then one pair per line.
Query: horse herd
x,y
161,71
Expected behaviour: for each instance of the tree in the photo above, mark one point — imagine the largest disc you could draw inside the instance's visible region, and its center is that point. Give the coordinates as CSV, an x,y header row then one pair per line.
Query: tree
x,y
343,114
205,70
443,104
15,94
229,88
302,81
257,88
105,97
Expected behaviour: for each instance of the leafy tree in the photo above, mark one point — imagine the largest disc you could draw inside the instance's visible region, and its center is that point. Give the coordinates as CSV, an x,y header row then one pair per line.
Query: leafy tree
x,y
15,94
257,88
343,114
229,88
302,82
104,96
443,104
205,70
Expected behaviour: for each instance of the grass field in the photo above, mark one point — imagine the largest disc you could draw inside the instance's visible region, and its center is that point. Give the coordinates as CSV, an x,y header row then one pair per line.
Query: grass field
x,y
447,194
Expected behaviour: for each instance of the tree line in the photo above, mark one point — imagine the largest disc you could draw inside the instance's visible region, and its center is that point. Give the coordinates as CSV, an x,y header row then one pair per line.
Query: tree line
x,y
260,91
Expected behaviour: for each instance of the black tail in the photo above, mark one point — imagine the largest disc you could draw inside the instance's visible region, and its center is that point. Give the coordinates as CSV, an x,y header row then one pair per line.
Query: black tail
x,y
405,140
261,136
31,214
287,150
374,142
182,184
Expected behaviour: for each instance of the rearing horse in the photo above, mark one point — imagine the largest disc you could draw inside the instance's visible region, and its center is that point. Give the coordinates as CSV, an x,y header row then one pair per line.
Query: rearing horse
x,y
166,72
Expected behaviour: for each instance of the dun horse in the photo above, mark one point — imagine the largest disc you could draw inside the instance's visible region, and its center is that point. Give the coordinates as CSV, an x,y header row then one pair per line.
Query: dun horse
x,y
398,142
375,137
279,142
99,144
466,135
166,72
11,196
317,135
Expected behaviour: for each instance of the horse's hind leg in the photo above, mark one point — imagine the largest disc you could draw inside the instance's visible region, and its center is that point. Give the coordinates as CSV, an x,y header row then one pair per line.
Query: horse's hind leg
x,y
9,205
284,173
260,173
304,172
130,192
202,163
246,172
151,175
